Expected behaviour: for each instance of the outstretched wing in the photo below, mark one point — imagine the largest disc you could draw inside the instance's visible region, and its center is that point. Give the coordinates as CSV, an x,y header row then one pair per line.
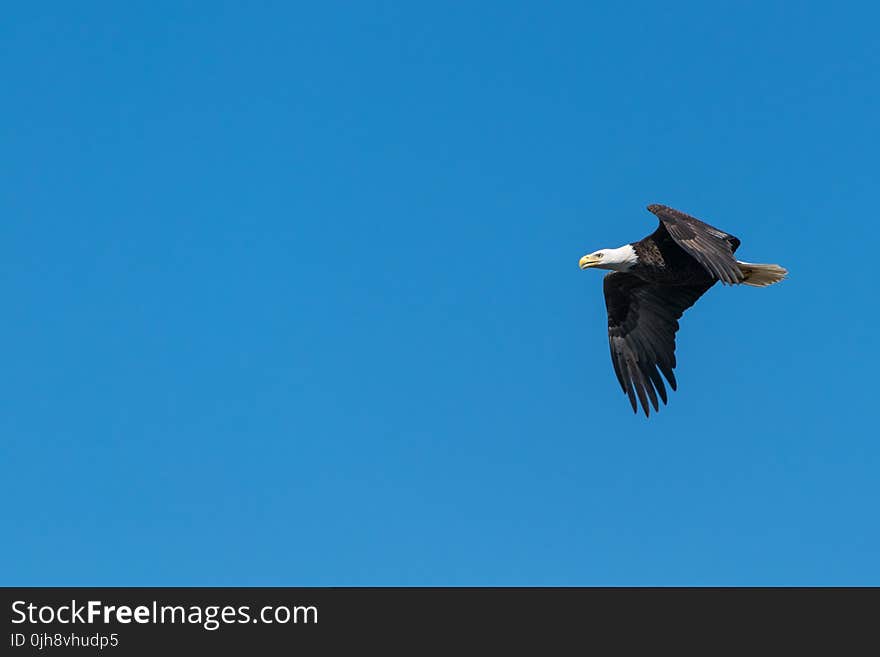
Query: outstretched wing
x,y
642,321
711,247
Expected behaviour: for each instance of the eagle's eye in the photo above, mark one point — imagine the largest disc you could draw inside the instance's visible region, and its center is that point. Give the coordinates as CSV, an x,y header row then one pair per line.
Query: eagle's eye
x,y
599,255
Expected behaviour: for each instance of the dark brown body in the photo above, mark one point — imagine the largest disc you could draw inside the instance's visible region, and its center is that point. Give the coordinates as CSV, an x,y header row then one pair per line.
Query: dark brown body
x,y
663,261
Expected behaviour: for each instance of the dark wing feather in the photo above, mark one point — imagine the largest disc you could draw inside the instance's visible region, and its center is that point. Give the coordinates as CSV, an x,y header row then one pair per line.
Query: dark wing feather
x,y
711,247
642,321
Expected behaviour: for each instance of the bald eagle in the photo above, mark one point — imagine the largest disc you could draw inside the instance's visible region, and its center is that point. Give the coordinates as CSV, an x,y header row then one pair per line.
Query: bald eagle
x,y
653,281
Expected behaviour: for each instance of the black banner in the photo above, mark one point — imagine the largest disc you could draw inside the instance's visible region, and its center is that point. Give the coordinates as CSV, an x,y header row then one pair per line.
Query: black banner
x,y
122,621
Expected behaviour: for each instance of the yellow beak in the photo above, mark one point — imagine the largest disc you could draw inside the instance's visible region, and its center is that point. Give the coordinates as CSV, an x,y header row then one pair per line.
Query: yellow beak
x,y
588,261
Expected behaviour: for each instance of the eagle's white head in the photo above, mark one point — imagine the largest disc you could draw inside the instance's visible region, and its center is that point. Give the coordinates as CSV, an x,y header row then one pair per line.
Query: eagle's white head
x,y
620,259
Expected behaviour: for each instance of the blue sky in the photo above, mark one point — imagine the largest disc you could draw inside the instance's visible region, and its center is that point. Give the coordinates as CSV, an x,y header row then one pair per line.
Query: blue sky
x,y
292,297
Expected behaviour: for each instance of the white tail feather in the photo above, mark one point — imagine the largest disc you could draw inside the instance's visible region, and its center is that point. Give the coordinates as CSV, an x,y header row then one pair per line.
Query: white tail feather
x,y
758,275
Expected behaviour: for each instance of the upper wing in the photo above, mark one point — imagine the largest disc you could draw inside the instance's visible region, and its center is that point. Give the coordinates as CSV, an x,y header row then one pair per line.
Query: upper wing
x,y
709,246
642,321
